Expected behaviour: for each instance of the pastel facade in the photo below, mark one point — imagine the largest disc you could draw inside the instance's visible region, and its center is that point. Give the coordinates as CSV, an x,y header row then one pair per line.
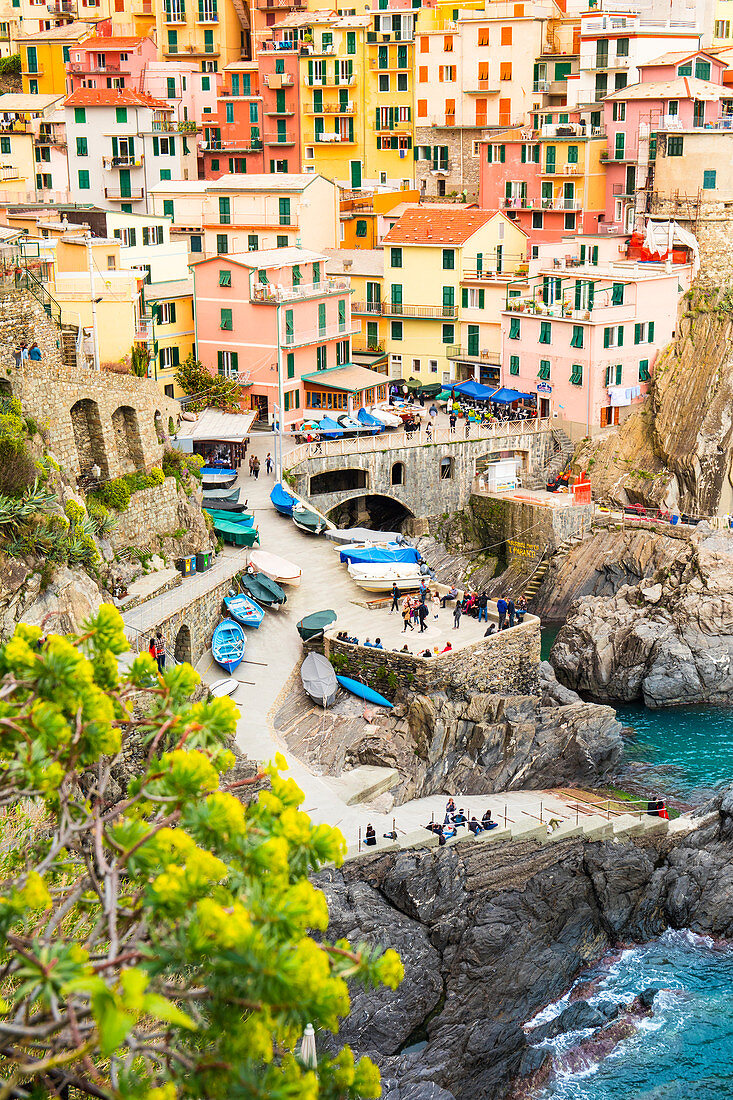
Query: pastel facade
x,y
211,32
232,136
272,314
365,268
109,62
584,338
170,330
44,55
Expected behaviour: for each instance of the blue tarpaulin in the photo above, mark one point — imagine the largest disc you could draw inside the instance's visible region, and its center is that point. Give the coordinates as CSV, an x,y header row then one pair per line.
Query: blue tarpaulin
x,y
282,499
506,397
379,555
369,421
474,390
329,429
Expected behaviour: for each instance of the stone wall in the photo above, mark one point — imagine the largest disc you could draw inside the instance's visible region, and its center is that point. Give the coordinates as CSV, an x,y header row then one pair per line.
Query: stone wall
x,y
23,320
711,222
506,664
528,529
151,512
188,631
464,168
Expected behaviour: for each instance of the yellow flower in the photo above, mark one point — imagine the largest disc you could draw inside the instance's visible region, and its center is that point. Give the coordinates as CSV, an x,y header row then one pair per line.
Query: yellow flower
x,y
391,970
34,894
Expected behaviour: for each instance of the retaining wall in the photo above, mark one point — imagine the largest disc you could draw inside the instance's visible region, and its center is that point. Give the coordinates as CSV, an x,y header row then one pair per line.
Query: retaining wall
x,y
528,529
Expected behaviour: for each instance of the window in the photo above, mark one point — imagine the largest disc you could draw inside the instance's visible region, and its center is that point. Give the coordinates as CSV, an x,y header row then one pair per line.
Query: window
x,y
384,82
321,319
316,274
290,364
572,154
361,228
284,211
576,340
570,221
618,152
395,257
281,241
496,154
446,469
196,244
396,330
226,320
81,147
224,210
702,69
80,115
229,112
617,294
471,298
644,370
168,208
121,114
205,83
448,334
622,47
576,374
644,332
614,372
167,313
613,337
544,371
514,364
619,112
708,179
225,278
342,315
505,70
84,180
506,36
167,358
228,363
222,243
449,259
545,332
321,361
288,326
675,146
253,242
515,328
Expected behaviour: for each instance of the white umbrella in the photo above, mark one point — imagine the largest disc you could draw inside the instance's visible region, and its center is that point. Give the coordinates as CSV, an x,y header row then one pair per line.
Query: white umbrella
x,y
308,1055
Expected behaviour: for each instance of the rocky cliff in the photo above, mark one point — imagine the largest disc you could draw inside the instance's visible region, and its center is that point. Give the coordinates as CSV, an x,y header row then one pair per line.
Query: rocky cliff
x,y
677,450
667,640
489,934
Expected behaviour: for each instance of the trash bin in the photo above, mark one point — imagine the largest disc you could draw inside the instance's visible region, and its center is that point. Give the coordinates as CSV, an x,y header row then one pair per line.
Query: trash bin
x,y
183,565
203,562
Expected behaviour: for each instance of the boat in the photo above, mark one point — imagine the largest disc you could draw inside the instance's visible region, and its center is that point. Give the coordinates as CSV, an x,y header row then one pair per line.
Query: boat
x,y
277,569
308,519
329,429
223,505
351,426
387,418
245,519
362,691
372,555
236,533
220,688
312,626
362,534
380,578
225,481
218,471
262,589
244,609
282,500
228,644
319,679
231,496
368,421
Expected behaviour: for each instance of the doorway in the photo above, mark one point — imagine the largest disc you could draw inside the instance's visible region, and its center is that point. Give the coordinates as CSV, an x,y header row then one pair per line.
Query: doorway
x,y
544,407
609,416
125,189
355,174
259,402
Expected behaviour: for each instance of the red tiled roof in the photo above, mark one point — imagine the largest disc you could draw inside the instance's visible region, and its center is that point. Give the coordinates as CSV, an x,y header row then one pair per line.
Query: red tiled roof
x,y
114,97
99,42
445,226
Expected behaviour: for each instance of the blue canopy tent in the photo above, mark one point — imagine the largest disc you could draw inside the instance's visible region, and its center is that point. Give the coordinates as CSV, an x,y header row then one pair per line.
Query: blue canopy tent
x,y
506,397
474,390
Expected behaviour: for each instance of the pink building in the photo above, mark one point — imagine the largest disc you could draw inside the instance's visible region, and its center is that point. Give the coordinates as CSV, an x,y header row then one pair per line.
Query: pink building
x,y
585,335
110,62
232,141
678,92
260,314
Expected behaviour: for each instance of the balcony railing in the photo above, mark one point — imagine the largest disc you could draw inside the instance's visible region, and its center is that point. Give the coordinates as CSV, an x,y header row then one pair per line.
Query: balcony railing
x,y
286,80
250,219
231,146
279,139
329,109
397,309
51,137
91,68
165,126
319,335
541,86
122,162
328,80
119,195
458,351
62,7
540,204
268,293
368,347
334,139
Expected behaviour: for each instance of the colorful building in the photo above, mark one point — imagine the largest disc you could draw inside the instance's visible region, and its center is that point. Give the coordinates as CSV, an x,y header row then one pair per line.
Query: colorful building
x,y
271,317
365,215
214,33
32,147
232,141
45,54
109,62
170,331
365,268
585,333
439,262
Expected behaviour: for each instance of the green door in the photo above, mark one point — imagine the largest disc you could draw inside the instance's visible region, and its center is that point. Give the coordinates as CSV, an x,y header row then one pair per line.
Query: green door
x,y
125,189
284,211
280,102
374,297
355,173
473,339
449,301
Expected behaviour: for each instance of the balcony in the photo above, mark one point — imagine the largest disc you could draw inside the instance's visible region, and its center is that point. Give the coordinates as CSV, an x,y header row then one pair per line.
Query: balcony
x,y
514,202
164,126
252,219
51,136
143,7
541,86
288,5
122,162
319,335
286,80
9,172
329,80
269,294
397,309
280,139
484,355
143,330
333,139
329,109
368,347
89,68
207,17
61,8
32,73
130,194
564,170
230,146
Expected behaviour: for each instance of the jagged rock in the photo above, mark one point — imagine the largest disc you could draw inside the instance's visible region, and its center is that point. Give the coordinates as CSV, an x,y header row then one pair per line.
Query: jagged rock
x,y
61,608
392,1089
646,997
576,1017
676,648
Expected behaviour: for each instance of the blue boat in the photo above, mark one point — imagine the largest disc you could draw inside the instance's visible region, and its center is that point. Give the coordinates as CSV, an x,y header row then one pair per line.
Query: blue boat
x,y
369,421
380,554
362,691
329,429
228,644
244,610
282,500
217,471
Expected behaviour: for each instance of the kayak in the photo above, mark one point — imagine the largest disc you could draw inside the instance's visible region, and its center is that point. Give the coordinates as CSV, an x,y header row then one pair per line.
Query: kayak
x,y
362,691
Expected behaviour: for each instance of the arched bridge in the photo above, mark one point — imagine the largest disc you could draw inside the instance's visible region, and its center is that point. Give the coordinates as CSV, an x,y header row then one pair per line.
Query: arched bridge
x,y
425,477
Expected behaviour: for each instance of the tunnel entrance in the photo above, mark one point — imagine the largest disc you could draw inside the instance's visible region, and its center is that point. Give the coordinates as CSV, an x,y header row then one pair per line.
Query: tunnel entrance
x,y
379,513
338,481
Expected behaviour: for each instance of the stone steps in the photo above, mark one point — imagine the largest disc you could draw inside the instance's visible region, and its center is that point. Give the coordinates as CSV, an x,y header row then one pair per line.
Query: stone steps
x,y
363,783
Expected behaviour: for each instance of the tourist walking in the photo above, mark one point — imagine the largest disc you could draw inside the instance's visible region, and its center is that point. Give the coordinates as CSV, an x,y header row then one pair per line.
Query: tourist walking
x,y
160,650
395,599
422,614
256,467
151,648
511,610
406,616
456,616
251,465
483,607
521,609
452,422
501,607
428,433
268,463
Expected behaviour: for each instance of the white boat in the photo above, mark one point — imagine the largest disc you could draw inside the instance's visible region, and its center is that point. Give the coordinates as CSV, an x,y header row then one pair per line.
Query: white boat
x,y
380,577
388,418
221,688
277,569
360,535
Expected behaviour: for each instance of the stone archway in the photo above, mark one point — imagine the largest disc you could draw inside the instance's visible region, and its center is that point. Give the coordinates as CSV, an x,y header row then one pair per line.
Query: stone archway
x,y
126,430
88,437
182,647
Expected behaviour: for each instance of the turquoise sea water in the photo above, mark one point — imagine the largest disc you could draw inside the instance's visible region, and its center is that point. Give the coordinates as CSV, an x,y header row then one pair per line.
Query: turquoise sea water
x,y
684,1051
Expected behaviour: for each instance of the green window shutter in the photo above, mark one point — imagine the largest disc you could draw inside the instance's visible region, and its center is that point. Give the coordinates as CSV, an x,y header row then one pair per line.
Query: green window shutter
x,y
524,154
619,370
502,153
473,340
514,364
481,298
449,301
620,340
83,180
514,328
342,312
172,312
606,337
396,330
175,357
608,377
644,370
576,374
168,208
395,257
80,114
544,371
290,361
464,297
449,334
617,294
637,333
224,210
310,73
121,114
396,294
448,259
297,399
156,146
81,147
709,177
321,317
490,153
650,332
572,154
226,320
594,254
219,361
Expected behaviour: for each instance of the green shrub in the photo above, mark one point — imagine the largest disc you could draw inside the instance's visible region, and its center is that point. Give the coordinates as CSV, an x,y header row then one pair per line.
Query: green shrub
x,y
10,66
100,517
10,406
17,467
74,512
157,476
171,426
115,494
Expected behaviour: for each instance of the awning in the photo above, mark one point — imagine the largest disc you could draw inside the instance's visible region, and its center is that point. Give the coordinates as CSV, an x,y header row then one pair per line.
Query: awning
x,y
215,426
349,378
474,390
506,397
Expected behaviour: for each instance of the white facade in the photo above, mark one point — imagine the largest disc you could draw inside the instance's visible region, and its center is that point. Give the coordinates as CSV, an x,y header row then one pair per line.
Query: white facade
x,y
149,247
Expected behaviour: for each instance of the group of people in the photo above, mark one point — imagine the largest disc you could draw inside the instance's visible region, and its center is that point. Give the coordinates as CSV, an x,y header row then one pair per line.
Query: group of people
x,y
476,605
414,609
156,649
456,819
27,352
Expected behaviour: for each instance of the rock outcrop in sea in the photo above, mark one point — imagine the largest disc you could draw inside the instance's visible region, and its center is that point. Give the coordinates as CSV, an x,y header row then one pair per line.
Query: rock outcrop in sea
x,y
666,641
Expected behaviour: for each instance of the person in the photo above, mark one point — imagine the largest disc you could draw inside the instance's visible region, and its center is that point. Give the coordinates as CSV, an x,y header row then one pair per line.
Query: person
x,y
395,599
407,615
452,423
510,610
422,614
483,607
448,648
456,616
521,609
423,591
251,464
449,831
426,653
378,644
468,427
370,837
441,836
433,410
501,607
428,433
487,822
450,807
435,601
460,818
450,595
268,463
367,643
491,629
34,352
160,650
475,826
256,467
404,649
151,648
413,610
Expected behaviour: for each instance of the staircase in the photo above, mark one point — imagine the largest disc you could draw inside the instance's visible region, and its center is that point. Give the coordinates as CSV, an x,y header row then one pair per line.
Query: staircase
x,y
69,337
562,451
532,586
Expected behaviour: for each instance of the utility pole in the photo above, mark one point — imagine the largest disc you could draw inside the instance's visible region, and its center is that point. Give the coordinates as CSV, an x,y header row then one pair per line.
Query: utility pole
x,y
95,341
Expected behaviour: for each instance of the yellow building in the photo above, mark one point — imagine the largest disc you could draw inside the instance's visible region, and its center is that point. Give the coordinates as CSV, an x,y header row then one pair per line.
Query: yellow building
x,y
172,330
44,54
213,33
445,275
364,215
365,268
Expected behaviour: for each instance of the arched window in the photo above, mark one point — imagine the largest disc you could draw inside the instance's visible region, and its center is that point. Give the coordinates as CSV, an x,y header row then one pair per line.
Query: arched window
x,y
398,474
446,469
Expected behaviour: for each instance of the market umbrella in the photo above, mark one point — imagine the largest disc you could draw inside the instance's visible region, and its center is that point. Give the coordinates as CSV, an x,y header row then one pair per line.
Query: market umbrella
x,y
474,390
307,1053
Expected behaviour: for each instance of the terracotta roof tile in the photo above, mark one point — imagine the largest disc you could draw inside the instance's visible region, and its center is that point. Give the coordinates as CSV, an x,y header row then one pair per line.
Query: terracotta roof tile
x,y
445,226
114,42
114,97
